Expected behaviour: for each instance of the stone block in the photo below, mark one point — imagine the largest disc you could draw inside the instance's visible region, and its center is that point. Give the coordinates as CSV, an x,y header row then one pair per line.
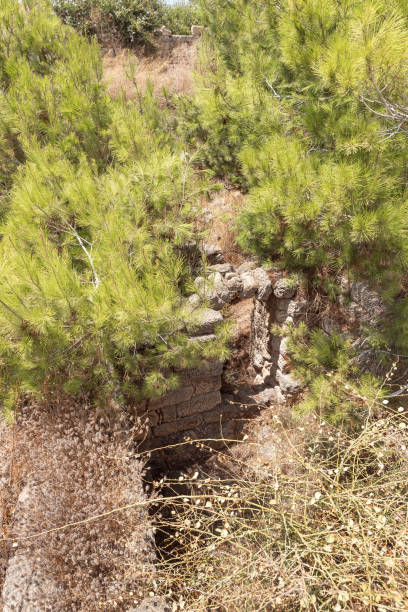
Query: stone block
x,y
249,285
207,338
247,266
222,268
207,319
210,368
284,288
297,308
182,394
169,414
182,424
199,404
196,30
207,385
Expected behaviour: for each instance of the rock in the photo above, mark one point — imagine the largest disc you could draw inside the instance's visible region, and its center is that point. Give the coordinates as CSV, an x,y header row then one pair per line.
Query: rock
x,y
247,266
165,31
329,325
27,588
264,283
284,364
234,284
207,338
194,301
153,604
196,30
287,383
297,308
213,289
261,322
367,305
213,253
222,268
249,285
284,288
206,321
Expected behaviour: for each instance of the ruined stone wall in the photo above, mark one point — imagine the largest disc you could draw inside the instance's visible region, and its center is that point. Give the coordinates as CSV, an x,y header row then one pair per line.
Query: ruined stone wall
x,y
166,41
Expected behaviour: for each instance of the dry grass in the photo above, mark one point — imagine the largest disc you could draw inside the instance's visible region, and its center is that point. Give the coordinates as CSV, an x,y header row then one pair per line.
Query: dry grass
x,y
328,534
173,72
219,220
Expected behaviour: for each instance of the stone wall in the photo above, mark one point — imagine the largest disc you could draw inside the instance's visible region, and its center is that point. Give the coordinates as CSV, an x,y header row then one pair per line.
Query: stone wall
x,y
167,41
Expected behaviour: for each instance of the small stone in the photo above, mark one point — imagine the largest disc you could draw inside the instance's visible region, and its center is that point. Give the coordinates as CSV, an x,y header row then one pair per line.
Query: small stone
x,y
194,301
284,288
222,268
297,308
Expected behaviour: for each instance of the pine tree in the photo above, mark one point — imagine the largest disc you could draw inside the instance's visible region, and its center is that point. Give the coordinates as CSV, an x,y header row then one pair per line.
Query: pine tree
x,y
96,205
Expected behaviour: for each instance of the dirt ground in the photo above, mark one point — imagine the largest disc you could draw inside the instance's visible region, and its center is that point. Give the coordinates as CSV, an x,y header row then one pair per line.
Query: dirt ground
x,y
173,72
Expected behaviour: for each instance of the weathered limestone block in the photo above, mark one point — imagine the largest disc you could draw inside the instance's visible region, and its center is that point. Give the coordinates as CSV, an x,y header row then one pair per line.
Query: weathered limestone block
x,y
210,368
207,385
249,285
284,288
207,319
182,424
206,338
213,253
297,308
234,285
213,289
199,404
247,266
222,268
196,30
261,322
366,304
182,394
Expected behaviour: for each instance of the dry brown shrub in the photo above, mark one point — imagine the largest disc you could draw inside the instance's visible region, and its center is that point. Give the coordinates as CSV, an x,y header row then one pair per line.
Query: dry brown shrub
x,y
328,534
76,463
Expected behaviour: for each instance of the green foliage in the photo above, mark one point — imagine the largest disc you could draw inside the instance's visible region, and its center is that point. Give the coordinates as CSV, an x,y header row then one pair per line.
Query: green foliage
x,y
122,21
337,390
99,201
282,110
180,16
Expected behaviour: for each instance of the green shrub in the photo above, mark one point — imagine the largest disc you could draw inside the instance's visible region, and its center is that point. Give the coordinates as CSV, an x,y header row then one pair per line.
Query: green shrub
x,y
126,22
282,105
180,16
100,202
